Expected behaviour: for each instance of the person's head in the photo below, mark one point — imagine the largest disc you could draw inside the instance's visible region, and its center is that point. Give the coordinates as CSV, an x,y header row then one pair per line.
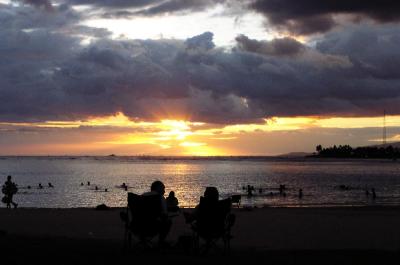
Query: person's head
x,y
211,193
158,187
171,194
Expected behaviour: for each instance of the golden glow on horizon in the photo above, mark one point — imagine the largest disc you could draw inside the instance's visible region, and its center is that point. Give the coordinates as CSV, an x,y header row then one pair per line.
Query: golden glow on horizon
x,y
165,134
362,122
179,137
181,129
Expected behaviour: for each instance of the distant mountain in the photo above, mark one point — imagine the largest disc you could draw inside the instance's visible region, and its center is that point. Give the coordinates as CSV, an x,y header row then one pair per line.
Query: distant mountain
x,y
395,145
295,154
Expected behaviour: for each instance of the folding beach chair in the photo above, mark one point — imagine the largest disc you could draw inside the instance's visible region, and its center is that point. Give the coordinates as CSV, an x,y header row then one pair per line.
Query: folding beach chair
x,y
142,219
213,222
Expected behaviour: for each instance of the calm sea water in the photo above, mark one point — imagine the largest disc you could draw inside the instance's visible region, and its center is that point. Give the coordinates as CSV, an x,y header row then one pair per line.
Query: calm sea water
x,y
319,180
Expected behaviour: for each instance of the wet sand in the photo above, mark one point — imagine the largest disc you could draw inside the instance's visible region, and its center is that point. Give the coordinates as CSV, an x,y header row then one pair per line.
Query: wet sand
x,y
352,235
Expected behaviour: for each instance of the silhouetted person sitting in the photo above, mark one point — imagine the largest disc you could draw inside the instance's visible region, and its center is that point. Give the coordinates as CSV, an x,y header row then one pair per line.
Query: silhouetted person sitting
x,y
211,195
211,219
163,222
40,186
9,189
172,203
50,185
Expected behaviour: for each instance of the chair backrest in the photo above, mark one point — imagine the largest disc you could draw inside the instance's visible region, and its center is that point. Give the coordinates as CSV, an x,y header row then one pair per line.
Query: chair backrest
x,y
211,220
145,211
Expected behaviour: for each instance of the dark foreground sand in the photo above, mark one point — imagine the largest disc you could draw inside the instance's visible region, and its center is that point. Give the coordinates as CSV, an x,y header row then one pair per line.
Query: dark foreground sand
x,y
368,235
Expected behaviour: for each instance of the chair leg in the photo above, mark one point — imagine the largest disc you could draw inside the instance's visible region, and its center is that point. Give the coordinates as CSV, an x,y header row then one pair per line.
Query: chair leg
x,y
196,244
129,240
227,243
207,246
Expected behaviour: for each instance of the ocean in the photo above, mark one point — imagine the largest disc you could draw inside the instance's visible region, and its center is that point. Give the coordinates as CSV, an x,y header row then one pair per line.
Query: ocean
x,y
325,182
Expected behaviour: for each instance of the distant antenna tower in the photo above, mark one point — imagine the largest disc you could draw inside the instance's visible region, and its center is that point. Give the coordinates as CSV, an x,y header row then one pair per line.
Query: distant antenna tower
x,y
384,128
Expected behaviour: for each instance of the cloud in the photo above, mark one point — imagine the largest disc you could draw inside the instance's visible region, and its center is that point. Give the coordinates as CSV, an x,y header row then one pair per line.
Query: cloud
x,y
130,8
127,8
45,4
288,47
278,47
315,16
114,3
203,41
46,73
180,6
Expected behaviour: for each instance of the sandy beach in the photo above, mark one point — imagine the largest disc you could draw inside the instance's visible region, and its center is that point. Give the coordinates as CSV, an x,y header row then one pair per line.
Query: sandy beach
x,y
285,235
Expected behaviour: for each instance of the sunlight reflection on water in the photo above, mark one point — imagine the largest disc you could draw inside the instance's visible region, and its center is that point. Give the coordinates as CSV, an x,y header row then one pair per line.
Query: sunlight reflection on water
x,y
188,178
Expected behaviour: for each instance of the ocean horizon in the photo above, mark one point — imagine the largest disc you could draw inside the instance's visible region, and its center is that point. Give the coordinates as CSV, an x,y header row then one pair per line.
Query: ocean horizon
x,y
325,182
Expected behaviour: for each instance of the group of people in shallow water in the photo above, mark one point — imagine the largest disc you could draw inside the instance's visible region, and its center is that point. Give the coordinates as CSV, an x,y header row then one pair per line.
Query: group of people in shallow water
x,y
9,189
282,191
96,188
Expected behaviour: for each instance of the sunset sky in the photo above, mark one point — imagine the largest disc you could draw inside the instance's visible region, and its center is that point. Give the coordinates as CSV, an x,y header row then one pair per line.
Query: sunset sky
x,y
196,77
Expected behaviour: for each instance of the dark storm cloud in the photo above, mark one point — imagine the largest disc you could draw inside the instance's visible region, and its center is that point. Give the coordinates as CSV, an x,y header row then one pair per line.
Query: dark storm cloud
x,y
313,16
47,74
278,47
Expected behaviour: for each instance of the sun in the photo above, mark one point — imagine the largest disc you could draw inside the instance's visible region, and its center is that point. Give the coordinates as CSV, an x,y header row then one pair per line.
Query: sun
x,y
179,133
174,130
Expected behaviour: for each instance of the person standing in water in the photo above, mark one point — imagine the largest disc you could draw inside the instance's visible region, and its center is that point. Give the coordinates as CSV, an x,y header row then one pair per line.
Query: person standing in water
x,y
373,193
300,193
9,189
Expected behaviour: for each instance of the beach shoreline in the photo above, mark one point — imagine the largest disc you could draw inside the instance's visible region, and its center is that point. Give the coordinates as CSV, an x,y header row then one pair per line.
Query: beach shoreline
x,y
368,227
352,232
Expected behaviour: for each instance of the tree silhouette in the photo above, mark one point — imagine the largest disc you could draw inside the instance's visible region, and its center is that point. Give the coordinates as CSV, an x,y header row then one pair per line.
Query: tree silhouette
x,y
346,151
318,148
